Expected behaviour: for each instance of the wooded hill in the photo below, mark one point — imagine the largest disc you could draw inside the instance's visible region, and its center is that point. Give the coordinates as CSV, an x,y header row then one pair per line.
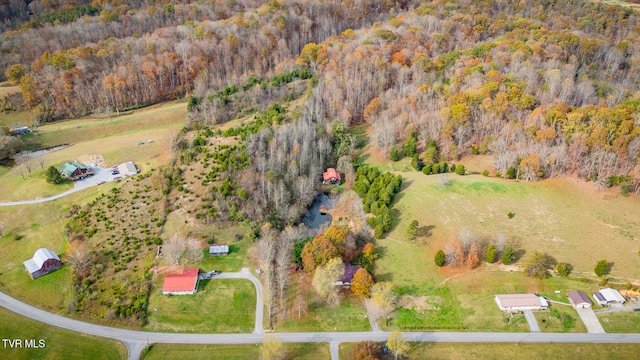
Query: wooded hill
x,y
548,87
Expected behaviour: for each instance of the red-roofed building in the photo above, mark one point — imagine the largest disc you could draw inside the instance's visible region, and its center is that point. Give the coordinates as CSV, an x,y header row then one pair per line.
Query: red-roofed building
x,y
181,284
331,176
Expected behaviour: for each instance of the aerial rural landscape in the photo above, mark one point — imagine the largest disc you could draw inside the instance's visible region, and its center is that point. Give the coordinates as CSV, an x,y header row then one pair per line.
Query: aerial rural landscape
x,y
244,179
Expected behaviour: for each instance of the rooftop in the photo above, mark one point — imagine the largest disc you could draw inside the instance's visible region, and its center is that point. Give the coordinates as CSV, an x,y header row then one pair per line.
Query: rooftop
x,y
181,282
519,300
39,257
578,297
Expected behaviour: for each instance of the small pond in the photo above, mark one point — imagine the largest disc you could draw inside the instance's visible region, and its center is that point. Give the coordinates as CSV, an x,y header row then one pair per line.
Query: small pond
x,y
313,218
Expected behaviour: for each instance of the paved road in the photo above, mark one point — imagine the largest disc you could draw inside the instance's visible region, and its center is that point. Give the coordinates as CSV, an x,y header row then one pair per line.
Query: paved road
x,y
532,321
245,273
100,175
335,354
136,340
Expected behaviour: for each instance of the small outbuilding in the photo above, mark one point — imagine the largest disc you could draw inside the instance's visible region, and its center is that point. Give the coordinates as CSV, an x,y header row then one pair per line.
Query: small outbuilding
x,y
75,171
21,131
349,272
43,262
185,283
331,176
579,299
512,303
608,296
219,250
128,169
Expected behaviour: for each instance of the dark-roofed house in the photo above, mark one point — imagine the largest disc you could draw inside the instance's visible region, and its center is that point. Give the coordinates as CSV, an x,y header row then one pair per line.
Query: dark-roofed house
x,y
43,262
608,296
75,171
219,250
579,299
185,283
520,302
347,276
331,176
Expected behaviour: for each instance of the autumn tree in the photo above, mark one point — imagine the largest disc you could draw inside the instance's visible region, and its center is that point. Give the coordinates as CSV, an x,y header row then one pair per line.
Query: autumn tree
x,y
372,109
271,348
472,257
15,73
537,264
325,246
384,296
362,283
367,350
398,344
367,256
325,277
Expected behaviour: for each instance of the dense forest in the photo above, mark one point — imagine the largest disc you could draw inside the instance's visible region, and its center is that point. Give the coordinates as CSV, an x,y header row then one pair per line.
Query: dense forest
x,y
547,87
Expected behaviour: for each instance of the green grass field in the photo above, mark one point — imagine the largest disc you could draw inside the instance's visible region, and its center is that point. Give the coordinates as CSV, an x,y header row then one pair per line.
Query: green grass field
x,y
563,217
26,229
620,322
508,351
58,343
311,351
220,306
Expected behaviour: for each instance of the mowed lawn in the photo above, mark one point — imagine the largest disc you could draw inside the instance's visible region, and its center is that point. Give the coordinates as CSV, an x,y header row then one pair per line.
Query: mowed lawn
x,y
510,351
565,218
476,291
116,141
26,229
620,322
58,343
220,306
310,351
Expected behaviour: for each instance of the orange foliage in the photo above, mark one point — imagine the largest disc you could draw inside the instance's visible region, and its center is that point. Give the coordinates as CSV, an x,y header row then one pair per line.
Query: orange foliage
x,y
361,283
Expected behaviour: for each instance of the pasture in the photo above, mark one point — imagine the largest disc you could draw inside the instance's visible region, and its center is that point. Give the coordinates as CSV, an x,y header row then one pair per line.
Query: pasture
x,y
566,218
26,229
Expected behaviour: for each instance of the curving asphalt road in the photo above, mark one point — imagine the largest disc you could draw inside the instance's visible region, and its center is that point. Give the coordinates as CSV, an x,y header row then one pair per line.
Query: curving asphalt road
x,y
137,340
245,273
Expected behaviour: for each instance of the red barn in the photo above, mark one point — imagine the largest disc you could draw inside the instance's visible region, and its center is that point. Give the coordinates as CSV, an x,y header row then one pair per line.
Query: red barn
x,y
331,176
43,262
185,283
